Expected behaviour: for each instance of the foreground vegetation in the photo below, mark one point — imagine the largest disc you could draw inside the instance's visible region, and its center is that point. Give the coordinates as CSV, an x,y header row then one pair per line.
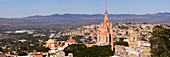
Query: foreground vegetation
x,y
160,42
80,50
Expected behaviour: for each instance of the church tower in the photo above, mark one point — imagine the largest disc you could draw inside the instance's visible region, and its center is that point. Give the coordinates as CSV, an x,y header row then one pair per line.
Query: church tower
x,y
51,43
105,32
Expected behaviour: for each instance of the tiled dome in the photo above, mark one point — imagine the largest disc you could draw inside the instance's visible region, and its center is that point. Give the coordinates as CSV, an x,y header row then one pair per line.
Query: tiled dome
x,y
51,41
71,40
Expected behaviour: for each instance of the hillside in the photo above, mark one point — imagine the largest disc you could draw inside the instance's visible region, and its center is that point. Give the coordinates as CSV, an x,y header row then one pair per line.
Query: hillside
x,y
82,19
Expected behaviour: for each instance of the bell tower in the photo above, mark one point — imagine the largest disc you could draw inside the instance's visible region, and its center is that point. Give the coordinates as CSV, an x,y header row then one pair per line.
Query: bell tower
x,y
105,32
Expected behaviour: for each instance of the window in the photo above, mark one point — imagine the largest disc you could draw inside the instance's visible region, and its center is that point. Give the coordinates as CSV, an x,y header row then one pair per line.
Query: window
x,y
106,39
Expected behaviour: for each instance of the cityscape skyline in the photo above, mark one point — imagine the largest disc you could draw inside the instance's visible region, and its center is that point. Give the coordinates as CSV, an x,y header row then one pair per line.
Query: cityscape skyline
x,y
84,28
95,40
23,8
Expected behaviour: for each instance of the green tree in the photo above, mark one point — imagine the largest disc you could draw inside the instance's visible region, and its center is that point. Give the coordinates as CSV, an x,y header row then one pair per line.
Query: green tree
x,y
42,49
96,51
121,43
1,49
121,39
80,50
143,39
145,23
77,38
22,54
74,48
160,43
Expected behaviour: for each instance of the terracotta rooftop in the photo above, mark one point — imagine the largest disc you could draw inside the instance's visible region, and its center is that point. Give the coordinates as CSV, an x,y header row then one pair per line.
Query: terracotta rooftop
x,y
71,40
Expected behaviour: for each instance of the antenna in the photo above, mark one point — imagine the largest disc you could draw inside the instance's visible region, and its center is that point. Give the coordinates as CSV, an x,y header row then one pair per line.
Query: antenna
x,y
105,7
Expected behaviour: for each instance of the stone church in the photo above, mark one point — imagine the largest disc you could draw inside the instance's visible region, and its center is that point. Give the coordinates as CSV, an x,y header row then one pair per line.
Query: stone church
x,y
105,32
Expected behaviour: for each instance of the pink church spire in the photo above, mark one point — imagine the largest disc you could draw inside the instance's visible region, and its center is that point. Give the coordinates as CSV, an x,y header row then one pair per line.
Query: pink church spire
x,y
106,19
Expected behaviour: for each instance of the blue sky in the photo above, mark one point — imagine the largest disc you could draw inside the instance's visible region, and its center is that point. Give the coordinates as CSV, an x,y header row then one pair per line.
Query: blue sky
x,y
23,8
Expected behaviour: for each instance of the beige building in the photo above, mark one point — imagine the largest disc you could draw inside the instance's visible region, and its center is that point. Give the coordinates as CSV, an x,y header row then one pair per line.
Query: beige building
x,y
51,43
105,32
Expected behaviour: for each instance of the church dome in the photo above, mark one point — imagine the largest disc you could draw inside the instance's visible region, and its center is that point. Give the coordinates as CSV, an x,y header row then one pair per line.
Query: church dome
x,y
51,41
130,31
71,40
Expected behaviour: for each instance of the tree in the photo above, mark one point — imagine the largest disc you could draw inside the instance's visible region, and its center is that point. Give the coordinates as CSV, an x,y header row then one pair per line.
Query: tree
x,y
96,51
0,49
42,49
24,47
74,48
143,39
145,23
77,38
160,43
121,43
22,54
80,50
121,39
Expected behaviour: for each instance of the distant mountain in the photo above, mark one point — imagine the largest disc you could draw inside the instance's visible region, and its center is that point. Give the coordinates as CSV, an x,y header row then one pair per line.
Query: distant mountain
x,y
79,15
83,19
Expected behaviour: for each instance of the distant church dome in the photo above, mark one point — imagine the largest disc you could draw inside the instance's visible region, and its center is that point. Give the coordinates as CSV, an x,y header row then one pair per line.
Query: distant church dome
x,y
130,31
51,41
71,40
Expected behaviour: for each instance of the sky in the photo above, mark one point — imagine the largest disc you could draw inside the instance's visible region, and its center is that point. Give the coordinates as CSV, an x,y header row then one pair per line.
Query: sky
x,y
24,8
